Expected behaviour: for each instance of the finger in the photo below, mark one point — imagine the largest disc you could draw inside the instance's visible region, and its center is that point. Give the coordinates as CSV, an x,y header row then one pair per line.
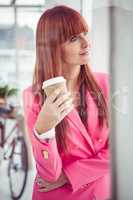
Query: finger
x,y
45,189
49,188
66,111
40,184
40,181
65,105
42,190
62,99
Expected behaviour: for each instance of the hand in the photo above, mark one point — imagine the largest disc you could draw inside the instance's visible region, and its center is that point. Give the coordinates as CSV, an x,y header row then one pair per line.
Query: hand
x,y
46,186
55,108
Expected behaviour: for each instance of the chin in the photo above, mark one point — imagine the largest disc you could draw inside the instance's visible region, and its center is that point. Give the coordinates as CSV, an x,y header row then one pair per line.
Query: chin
x,y
87,61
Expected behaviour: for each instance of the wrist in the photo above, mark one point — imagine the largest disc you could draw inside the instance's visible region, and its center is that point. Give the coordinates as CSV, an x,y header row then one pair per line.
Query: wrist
x,y
41,127
47,135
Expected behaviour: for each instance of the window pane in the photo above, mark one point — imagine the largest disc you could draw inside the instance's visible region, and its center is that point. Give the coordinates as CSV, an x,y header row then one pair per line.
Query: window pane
x,y
26,43
30,2
7,48
17,45
6,16
5,2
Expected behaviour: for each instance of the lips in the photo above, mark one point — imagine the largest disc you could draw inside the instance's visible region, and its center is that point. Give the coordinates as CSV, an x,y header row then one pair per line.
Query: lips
x,y
84,52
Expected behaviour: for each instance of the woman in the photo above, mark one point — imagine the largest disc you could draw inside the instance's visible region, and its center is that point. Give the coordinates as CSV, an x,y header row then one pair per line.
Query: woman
x,y
68,132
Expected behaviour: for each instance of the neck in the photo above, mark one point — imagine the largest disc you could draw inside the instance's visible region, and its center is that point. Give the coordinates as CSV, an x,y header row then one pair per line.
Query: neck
x,y
71,74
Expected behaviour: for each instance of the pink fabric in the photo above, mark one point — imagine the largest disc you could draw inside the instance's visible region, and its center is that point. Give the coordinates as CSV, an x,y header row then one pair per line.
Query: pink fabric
x,y
86,164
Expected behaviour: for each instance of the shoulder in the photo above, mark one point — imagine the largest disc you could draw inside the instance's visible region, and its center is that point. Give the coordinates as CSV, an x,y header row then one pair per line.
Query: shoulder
x,y
30,100
27,90
103,80
101,77
27,94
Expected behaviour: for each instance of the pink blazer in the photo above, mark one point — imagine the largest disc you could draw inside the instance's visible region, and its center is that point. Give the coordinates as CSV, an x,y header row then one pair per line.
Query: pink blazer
x,y
87,163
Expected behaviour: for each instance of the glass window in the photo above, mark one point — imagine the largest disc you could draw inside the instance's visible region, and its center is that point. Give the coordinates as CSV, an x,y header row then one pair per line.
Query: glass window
x,y
5,2
30,2
7,51
17,45
25,41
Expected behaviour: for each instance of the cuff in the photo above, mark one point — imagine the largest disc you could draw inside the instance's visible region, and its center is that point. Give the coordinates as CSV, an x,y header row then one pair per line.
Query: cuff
x,y
47,135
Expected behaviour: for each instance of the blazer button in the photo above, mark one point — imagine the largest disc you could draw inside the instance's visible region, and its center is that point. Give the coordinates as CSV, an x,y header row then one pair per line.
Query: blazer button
x,y
99,154
100,140
45,154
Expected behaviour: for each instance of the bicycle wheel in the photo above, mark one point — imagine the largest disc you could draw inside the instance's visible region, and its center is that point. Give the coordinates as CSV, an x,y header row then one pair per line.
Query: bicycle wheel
x,y
18,168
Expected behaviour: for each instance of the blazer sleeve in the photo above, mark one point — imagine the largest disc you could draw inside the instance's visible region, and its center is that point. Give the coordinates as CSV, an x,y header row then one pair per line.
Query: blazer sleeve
x,y
84,171
48,161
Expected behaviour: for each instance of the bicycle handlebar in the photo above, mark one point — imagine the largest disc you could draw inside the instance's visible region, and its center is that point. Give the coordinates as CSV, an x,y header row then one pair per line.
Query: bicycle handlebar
x,y
6,111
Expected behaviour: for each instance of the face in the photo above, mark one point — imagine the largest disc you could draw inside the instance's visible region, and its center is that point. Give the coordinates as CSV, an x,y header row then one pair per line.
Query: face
x,y
76,50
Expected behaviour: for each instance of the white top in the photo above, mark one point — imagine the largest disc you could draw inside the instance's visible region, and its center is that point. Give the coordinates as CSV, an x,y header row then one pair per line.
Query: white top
x,y
53,81
47,135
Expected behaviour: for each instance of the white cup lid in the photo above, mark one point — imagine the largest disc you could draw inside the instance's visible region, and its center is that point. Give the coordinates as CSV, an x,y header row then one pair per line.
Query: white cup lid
x,y
52,81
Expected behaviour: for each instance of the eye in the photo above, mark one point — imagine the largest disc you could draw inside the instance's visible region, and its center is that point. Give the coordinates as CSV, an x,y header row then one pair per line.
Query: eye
x,y
86,34
73,38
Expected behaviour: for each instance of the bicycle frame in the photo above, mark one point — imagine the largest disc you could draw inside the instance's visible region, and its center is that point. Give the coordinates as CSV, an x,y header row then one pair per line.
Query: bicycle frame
x,y
15,151
6,142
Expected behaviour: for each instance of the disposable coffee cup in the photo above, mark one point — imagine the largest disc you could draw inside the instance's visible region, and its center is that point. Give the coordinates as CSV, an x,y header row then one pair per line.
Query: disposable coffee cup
x,y
52,84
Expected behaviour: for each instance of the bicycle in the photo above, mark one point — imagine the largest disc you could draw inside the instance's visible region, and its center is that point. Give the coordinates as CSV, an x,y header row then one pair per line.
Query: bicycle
x,y
15,151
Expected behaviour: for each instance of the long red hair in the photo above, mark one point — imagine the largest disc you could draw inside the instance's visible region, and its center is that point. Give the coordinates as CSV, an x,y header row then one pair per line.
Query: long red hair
x,y
56,26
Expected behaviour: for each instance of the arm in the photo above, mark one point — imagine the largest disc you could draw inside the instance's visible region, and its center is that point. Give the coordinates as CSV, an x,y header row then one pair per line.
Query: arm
x,y
48,161
85,171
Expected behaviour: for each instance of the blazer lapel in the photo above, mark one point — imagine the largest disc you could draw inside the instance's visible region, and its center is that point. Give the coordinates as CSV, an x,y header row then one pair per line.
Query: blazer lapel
x,y
74,117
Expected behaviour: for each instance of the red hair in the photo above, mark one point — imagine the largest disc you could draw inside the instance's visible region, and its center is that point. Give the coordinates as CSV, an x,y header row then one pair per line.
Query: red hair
x,y
56,26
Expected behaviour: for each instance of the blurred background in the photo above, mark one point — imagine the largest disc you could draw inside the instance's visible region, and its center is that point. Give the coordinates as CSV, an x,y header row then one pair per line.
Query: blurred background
x,y
111,39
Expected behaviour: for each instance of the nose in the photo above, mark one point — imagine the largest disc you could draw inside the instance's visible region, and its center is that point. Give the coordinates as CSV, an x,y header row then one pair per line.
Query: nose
x,y
85,42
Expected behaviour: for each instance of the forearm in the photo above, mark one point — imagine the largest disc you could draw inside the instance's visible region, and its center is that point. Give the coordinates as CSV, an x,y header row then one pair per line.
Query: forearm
x,y
43,123
85,171
47,158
